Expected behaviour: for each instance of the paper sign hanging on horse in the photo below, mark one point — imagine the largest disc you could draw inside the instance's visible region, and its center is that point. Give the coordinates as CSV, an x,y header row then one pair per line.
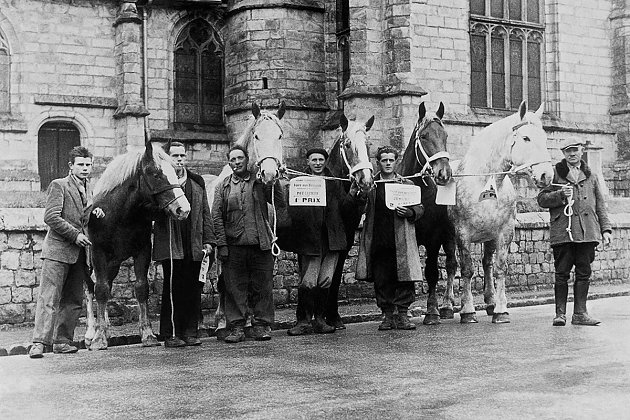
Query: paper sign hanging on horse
x,y
307,191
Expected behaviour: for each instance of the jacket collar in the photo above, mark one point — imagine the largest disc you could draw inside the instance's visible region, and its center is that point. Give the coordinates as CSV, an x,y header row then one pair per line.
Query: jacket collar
x,y
397,178
562,168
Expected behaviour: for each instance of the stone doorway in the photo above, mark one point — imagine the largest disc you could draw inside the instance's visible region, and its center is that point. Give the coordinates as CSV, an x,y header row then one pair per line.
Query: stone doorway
x,y
54,142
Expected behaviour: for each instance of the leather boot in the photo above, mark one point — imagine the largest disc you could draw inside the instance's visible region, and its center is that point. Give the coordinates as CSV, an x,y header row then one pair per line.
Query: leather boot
x,y
388,322
580,315
319,306
303,313
561,291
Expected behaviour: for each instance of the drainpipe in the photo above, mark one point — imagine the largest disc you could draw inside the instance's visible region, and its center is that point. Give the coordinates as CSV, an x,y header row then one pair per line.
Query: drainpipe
x,y
145,66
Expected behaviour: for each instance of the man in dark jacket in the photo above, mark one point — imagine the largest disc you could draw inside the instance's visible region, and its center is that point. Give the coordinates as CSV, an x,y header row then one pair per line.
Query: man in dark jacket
x,y
65,266
183,242
319,237
244,240
388,251
578,218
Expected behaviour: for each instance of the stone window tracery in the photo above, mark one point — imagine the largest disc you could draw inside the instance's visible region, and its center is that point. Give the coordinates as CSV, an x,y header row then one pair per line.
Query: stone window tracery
x,y
5,75
343,46
198,77
506,49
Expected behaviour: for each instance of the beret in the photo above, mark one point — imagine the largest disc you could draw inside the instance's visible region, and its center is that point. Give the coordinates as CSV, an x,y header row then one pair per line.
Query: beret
x,y
317,150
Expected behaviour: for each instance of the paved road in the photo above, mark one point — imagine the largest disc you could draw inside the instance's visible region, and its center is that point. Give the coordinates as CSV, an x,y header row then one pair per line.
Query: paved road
x,y
526,369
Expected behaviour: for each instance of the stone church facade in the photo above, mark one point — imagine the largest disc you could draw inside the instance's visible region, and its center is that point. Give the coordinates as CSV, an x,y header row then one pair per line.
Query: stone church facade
x,y
97,72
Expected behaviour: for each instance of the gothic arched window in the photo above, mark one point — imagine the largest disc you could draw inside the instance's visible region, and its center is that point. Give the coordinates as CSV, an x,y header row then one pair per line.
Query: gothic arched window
x,y
198,77
5,67
343,46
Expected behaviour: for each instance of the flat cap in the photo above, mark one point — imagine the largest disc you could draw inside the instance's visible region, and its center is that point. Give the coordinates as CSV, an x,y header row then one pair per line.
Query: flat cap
x,y
571,142
317,150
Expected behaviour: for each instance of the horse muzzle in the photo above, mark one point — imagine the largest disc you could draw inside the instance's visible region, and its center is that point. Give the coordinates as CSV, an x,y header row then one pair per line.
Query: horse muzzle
x,y
442,171
542,174
364,179
179,208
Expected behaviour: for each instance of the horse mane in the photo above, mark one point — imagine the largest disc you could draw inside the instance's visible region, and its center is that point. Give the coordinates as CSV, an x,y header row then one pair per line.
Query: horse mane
x,y
123,167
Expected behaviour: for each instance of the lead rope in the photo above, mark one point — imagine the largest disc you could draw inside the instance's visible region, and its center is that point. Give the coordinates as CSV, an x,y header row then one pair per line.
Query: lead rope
x,y
568,211
170,251
275,249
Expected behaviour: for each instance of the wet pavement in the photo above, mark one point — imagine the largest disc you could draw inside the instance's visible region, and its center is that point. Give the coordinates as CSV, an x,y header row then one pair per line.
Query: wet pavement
x,y
526,369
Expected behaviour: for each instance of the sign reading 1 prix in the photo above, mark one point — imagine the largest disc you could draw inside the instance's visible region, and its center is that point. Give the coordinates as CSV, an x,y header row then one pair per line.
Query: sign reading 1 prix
x,y
307,191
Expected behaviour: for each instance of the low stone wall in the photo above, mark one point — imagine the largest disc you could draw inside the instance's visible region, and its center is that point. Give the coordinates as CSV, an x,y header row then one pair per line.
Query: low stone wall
x,y
530,267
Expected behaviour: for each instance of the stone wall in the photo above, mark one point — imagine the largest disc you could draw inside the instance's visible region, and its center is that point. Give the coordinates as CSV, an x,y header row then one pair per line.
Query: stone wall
x,y
530,267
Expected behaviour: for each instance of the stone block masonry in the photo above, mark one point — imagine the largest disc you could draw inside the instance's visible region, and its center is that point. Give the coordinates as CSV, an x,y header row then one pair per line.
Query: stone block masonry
x,y
530,267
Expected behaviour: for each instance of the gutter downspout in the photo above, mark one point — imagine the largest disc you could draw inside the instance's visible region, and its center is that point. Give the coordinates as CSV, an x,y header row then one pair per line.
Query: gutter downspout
x,y
145,67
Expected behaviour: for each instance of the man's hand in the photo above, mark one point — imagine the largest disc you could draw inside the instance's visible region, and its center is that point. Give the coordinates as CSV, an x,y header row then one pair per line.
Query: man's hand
x,y
223,253
607,238
207,248
404,212
567,190
82,240
98,212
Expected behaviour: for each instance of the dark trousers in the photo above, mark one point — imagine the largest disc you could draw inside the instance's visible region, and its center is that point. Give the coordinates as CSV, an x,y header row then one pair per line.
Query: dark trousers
x,y
186,298
60,300
248,279
390,293
566,256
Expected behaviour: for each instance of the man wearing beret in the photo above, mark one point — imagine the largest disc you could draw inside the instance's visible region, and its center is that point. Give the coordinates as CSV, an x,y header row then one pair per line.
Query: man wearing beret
x,y
578,219
319,238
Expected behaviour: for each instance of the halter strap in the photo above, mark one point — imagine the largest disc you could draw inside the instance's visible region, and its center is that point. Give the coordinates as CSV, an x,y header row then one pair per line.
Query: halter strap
x,y
258,160
427,159
355,168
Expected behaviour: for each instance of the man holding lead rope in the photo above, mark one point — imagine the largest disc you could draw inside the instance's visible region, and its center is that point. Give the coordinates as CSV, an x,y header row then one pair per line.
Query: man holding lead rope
x,y
578,217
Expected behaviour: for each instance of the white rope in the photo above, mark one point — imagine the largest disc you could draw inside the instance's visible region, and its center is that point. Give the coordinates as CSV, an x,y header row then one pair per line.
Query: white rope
x,y
275,249
513,170
568,209
290,171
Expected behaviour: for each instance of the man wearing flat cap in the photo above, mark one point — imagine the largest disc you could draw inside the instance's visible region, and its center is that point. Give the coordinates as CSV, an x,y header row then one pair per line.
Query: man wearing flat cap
x,y
578,219
319,237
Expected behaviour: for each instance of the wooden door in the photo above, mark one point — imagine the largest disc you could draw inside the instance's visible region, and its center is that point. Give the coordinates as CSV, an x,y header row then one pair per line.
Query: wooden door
x,y
55,140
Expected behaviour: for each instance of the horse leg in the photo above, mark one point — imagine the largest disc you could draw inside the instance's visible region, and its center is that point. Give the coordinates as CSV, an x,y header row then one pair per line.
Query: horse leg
x,y
446,311
141,267
431,273
467,312
332,302
91,320
488,279
102,291
501,315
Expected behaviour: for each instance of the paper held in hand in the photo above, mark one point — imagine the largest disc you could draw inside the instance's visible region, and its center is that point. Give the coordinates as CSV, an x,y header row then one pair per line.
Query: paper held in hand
x,y
205,266
307,191
446,194
401,195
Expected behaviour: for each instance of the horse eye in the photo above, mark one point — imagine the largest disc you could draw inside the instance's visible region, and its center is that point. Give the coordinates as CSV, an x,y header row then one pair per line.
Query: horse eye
x,y
526,138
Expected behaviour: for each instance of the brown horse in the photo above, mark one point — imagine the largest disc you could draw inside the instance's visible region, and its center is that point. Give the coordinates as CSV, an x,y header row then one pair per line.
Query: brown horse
x,y
133,187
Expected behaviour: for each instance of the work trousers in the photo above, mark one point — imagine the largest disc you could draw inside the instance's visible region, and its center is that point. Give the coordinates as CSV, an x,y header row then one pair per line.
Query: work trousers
x,y
60,300
565,257
186,298
317,270
248,279
390,293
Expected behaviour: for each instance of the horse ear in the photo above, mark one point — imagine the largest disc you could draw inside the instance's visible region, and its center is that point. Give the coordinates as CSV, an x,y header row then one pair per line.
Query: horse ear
x,y
148,150
422,111
522,109
281,110
255,110
369,123
167,145
440,111
539,111
343,122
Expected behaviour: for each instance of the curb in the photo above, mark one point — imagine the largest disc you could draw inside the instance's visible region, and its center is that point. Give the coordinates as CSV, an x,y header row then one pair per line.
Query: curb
x,y
124,340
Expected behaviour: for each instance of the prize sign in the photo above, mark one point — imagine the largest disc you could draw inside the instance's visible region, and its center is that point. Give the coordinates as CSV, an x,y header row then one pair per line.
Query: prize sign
x,y
307,191
401,195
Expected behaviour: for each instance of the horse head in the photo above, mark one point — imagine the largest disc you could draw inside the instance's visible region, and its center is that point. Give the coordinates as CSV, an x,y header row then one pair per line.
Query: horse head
x,y
160,180
353,150
529,146
265,144
430,144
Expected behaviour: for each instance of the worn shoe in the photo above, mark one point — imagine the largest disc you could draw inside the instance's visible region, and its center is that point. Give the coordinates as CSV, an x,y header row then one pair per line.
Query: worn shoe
x,y
337,323
64,348
388,323
172,342
36,351
584,319
192,341
403,323
237,334
262,332
560,321
221,333
320,326
301,328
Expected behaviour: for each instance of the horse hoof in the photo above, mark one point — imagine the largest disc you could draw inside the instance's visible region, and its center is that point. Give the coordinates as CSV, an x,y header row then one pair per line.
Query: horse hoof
x,y
431,319
502,318
98,345
447,313
468,318
150,341
87,342
490,309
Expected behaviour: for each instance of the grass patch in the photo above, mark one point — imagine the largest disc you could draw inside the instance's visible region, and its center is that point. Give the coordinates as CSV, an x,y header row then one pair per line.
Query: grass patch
x,y
23,199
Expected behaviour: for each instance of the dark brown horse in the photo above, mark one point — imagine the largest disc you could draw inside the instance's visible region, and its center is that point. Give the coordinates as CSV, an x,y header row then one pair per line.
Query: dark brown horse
x,y
132,188
427,158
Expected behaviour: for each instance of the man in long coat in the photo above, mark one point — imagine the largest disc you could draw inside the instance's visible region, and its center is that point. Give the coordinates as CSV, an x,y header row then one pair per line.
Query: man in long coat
x,y
388,251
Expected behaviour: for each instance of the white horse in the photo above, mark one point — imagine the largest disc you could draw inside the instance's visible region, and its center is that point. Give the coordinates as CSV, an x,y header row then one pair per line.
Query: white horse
x,y
485,208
